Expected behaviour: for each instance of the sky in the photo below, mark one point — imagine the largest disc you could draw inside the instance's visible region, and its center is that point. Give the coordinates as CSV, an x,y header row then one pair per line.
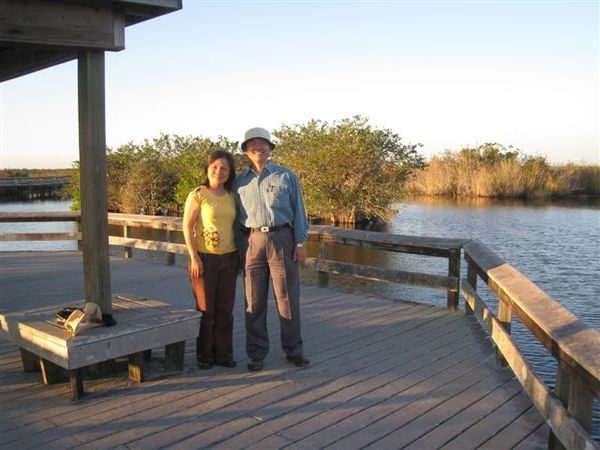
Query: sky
x,y
444,74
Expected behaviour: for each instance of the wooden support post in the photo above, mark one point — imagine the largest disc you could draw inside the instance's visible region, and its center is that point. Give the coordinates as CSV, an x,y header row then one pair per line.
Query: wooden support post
x,y
561,389
51,373
136,366
76,382
174,354
505,318
581,402
323,277
80,240
31,362
102,368
472,279
94,201
126,250
453,271
170,256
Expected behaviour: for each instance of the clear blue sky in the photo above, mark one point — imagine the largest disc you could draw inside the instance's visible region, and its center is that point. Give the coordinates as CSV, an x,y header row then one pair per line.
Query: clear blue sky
x,y
441,73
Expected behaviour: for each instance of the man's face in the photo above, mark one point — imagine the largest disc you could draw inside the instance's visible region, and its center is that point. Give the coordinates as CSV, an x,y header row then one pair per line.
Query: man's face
x,y
258,150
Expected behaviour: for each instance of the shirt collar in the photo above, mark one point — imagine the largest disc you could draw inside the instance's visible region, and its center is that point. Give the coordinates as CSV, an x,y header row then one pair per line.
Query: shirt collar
x,y
248,170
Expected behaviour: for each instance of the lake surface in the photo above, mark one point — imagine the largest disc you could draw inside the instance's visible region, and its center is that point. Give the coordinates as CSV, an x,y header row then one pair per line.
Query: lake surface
x,y
556,245
36,227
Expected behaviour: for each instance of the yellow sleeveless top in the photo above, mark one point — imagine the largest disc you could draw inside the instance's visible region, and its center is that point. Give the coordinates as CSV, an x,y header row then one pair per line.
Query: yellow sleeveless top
x,y
214,227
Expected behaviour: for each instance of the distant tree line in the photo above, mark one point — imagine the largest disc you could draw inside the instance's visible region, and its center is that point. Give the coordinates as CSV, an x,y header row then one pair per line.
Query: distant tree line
x,y
349,171
492,170
36,172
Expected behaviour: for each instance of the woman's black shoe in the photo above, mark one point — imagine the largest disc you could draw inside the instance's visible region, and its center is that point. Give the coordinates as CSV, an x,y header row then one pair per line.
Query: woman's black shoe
x,y
204,365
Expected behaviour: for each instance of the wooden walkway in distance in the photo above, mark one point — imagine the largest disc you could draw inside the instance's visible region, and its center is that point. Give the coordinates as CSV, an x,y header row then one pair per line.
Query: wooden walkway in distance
x,y
383,375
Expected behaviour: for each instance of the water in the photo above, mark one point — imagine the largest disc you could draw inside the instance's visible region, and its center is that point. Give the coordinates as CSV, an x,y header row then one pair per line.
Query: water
x,y
37,227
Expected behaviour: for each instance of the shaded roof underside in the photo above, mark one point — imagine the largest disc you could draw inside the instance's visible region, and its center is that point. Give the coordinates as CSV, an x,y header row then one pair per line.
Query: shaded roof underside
x,y
36,34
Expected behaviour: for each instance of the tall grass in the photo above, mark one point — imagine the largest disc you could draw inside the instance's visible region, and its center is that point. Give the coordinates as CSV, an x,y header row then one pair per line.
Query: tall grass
x,y
494,171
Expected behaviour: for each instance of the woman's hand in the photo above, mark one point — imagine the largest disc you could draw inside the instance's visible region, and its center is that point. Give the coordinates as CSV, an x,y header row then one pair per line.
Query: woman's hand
x,y
196,267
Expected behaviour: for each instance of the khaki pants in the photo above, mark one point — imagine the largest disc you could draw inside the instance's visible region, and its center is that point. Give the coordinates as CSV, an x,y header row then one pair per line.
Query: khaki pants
x,y
270,256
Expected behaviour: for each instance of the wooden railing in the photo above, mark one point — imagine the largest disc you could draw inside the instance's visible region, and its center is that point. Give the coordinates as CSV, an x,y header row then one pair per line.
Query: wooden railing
x,y
567,410
427,246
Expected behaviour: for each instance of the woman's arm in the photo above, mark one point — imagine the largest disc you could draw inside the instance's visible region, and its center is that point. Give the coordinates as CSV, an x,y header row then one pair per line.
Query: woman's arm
x,y
190,216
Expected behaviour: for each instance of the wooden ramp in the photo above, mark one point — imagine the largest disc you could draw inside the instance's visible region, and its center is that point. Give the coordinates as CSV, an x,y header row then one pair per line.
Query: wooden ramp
x,y
383,375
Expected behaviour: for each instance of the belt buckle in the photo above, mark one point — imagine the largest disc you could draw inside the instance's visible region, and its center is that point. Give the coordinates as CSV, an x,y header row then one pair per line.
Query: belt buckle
x,y
264,229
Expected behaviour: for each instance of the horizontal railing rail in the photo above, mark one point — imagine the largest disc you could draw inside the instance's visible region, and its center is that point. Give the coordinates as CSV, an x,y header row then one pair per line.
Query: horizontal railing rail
x,y
569,409
54,216
450,249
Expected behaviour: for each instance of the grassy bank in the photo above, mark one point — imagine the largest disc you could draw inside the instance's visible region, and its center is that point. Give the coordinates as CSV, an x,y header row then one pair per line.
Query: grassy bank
x,y
36,172
493,171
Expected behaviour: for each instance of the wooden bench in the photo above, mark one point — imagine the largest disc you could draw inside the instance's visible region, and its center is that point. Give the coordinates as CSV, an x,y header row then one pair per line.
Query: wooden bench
x,y
142,324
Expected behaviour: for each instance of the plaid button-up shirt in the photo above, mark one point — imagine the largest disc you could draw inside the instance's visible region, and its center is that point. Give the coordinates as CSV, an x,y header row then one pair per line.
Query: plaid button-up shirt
x,y
272,198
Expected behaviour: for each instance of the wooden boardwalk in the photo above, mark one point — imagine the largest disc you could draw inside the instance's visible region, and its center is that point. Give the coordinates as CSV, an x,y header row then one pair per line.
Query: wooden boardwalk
x,y
383,375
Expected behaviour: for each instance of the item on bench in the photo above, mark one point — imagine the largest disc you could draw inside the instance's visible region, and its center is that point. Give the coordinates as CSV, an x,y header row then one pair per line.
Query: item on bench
x,y
63,314
108,320
80,319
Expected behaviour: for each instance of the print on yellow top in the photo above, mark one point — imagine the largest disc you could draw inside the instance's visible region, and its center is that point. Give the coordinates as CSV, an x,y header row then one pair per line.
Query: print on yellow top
x,y
214,227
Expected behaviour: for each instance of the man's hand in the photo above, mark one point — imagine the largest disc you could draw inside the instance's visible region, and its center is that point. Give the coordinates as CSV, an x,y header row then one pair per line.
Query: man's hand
x,y
299,254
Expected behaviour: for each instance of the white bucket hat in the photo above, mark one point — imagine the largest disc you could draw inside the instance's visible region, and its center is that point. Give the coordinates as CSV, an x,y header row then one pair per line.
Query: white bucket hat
x,y
257,132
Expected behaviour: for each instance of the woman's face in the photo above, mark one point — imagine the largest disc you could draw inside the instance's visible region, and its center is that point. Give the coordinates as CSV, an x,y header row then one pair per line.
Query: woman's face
x,y
218,172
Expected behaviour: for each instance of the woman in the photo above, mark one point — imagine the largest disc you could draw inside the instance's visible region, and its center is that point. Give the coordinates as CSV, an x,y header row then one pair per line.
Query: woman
x,y
208,230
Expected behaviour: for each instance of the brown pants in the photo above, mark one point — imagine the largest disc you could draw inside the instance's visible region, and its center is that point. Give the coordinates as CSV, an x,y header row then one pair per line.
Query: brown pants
x,y
270,256
215,296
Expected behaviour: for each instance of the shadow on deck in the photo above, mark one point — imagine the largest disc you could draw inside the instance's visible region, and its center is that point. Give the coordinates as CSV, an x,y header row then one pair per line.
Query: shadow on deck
x,y
383,375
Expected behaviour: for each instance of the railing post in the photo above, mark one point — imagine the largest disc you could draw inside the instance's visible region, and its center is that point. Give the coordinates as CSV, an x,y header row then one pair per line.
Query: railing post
x,y
80,240
126,250
472,279
323,277
561,389
453,271
505,318
577,398
170,256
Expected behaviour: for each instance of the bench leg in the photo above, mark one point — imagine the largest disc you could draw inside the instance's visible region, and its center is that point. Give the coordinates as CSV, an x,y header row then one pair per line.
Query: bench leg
x,y
174,354
136,366
31,362
51,373
76,382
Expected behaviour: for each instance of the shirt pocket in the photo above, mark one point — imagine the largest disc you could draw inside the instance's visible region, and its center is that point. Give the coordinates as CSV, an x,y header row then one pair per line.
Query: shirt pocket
x,y
278,195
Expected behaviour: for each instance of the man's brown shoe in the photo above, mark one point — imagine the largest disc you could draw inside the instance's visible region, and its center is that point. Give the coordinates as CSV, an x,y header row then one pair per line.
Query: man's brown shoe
x,y
299,360
255,364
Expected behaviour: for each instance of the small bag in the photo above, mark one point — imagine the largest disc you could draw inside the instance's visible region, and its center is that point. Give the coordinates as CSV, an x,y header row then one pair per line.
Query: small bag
x,y
78,319
63,314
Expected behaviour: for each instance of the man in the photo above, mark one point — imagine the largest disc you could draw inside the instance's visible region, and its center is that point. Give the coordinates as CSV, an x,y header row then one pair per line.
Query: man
x,y
274,227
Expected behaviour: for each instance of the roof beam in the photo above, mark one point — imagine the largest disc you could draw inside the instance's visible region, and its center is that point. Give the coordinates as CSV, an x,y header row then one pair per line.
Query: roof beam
x,y
57,24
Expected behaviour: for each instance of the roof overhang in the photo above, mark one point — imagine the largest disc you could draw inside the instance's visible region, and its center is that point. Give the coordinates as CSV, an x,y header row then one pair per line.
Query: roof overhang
x,y
35,34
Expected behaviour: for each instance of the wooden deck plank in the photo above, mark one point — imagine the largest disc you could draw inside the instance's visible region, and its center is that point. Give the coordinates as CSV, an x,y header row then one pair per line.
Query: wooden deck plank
x,y
452,417
336,385
179,432
517,431
377,367
501,417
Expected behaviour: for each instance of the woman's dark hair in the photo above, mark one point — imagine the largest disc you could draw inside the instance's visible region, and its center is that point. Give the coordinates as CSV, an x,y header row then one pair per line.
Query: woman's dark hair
x,y
218,154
